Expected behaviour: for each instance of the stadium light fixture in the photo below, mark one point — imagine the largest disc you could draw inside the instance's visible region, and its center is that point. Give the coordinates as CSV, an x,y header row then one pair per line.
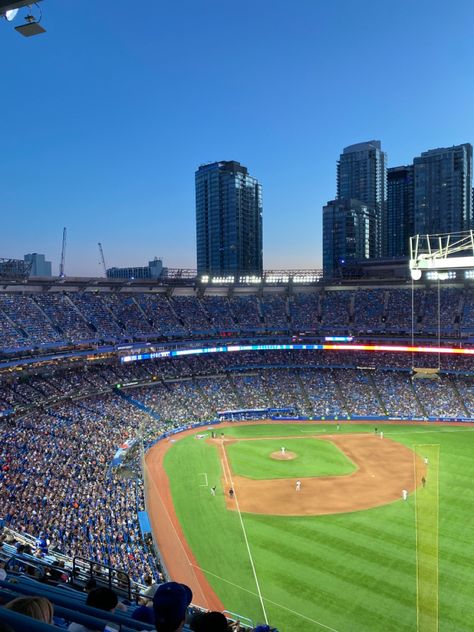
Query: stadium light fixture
x,y
9,10
441,276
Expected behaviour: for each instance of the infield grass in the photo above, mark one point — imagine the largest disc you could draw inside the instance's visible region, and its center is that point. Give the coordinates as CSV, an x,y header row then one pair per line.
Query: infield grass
x,y
313,457
347,572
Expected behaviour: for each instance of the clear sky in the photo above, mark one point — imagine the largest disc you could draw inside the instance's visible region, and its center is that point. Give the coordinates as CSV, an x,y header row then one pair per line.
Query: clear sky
x,y
106,117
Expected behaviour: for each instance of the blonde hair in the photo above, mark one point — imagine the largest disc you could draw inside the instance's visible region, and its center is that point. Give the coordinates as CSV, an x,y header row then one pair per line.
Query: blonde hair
x,y
38,608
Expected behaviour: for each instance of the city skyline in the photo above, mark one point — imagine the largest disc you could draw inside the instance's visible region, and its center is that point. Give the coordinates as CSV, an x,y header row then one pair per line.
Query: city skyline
x,y
105,139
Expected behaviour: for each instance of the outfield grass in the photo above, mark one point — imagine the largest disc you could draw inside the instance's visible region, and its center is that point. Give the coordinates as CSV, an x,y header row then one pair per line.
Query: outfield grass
x,y
313,457
347,572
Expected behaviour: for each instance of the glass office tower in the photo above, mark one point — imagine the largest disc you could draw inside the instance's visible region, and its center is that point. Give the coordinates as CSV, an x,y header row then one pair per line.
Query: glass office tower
x,y
228,220
362,175
443,190
349,235
400,211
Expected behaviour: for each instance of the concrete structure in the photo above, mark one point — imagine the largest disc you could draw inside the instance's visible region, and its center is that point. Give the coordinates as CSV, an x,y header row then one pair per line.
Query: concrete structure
x,y
228,220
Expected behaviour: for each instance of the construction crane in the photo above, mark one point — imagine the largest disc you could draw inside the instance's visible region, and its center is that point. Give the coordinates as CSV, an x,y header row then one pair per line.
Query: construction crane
x,y
102,258
63,256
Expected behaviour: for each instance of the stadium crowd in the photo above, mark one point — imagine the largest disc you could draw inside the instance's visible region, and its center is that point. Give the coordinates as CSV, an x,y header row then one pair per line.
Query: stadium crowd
x,y
64,426
29,319
55,474
196,387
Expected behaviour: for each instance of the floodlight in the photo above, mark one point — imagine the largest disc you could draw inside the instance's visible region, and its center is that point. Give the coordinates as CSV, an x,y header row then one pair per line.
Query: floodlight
x,y
11,14
415,274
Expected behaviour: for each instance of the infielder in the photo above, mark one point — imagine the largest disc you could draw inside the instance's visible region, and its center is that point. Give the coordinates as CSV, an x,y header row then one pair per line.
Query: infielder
x,y
404,494
298,486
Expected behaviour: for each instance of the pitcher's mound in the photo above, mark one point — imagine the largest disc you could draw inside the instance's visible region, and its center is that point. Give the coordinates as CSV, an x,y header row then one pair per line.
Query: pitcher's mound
x,y
288,456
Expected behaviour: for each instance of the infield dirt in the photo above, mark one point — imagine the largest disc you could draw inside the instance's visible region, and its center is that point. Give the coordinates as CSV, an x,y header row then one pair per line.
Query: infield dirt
x,y
384,469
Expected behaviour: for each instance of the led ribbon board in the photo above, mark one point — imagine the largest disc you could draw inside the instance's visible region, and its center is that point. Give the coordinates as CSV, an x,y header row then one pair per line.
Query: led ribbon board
x,y
294,347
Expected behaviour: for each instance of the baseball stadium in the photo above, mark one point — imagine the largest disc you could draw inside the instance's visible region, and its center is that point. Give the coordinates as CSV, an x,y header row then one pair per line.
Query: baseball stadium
x,y
298,453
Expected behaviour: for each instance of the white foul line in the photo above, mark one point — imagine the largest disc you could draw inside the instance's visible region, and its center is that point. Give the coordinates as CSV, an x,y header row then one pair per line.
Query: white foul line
x,y
416,547
427,445
225,473
245,537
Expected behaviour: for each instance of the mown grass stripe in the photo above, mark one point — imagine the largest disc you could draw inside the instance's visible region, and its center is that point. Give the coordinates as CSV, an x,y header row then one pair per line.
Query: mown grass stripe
x,y
426,529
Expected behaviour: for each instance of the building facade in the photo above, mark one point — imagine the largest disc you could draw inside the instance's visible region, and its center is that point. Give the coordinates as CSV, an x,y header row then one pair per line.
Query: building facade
x,y
362,175
443,190
228,220
400,211
349,235
39,266
154,270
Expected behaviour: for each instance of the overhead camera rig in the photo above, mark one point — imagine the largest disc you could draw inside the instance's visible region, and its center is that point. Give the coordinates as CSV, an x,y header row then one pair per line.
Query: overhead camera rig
x,y
9,10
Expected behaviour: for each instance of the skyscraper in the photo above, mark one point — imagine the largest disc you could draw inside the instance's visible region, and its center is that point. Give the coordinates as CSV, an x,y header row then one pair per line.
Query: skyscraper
x,y
349,234
443,190
400,211
362,175
228,220
39,266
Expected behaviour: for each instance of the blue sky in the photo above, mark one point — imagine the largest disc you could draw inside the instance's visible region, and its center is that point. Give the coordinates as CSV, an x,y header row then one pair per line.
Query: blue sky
x,y
106,117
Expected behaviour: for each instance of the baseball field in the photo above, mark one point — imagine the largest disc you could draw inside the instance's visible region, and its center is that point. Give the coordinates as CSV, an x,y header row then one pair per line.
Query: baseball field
x,y
345,552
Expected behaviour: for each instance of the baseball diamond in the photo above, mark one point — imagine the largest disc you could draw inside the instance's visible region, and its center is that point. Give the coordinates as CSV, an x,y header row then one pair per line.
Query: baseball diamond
x,y
340,555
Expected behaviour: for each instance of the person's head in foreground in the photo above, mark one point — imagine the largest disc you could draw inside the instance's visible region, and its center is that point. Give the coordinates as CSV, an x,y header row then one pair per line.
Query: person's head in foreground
x,y
170,604
38,608
209,622
102,598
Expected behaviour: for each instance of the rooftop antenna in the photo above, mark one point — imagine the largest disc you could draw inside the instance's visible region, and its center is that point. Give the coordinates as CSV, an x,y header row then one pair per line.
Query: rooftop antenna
x,y
102,258
63,255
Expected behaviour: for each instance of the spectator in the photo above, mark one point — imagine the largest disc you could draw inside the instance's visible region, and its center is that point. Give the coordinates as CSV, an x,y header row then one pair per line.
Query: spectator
x,y
150,590
103,599
170,605
90,585
144,614
209,622
38,608
100,598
